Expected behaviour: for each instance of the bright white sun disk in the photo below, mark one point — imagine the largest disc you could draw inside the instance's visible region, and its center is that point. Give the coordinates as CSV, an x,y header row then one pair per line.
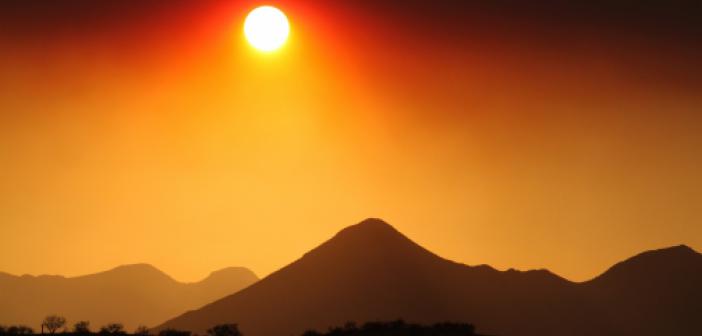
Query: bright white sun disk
x,y
266,28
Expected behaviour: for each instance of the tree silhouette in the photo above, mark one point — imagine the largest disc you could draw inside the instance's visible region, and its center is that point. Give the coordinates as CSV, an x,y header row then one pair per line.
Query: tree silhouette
x,y
53,323
113,329
224,330
142,331
81,328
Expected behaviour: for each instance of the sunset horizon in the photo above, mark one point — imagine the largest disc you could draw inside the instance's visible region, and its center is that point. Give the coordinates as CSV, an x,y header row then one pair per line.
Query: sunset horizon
x,y
222,142
293,258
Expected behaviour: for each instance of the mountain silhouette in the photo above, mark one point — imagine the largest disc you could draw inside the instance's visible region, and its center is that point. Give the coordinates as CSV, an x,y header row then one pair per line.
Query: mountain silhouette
x,y
654,293
370,272
131,294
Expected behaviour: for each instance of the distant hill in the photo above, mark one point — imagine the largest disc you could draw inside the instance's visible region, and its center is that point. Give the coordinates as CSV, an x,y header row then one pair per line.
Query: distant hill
x,y
131,294
370,272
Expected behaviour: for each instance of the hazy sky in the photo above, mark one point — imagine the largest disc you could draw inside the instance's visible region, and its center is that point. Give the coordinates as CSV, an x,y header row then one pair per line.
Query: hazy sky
x,y
530,136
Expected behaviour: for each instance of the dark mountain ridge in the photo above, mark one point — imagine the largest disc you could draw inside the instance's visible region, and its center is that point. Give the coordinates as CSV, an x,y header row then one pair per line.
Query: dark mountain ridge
x,y
370,272
657,292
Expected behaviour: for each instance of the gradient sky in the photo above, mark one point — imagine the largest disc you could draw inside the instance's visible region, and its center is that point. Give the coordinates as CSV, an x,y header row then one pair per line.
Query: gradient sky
x,y
543,135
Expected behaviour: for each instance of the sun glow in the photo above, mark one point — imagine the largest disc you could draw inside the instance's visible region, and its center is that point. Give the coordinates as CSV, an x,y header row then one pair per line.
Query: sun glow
x,y
266,28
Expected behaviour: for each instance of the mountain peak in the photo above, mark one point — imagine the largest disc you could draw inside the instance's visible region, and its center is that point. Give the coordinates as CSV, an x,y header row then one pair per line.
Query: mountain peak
x,y
679,251
682,248
139,267
372,234
369,226
138,271
229,274
674,259
372,241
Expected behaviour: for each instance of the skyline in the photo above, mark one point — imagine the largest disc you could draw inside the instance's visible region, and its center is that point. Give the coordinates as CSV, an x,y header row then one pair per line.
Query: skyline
x,y
149,267
214,271
519,136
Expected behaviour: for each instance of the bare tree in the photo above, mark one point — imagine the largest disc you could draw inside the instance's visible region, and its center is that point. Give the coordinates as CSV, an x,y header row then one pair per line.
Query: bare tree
x,y
81,327
53,323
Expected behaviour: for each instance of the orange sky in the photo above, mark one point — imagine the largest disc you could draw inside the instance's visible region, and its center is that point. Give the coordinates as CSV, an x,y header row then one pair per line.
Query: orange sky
x,y
157,135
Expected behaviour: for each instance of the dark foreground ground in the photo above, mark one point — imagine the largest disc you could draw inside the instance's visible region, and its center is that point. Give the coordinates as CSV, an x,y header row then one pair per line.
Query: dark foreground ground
x,y
393,328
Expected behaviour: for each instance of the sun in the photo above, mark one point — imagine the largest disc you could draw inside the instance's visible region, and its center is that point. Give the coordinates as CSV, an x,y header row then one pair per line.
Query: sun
x,y
266,28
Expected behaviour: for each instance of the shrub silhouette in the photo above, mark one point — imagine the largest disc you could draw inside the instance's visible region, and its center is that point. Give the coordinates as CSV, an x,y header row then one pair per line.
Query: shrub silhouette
x,y
311,333
16,330
53,323
113,329
224,330
173,332
81,328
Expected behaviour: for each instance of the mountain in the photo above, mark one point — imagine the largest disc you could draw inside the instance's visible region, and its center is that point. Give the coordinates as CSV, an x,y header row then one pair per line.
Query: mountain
x,y
654,293
132,295
370,271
